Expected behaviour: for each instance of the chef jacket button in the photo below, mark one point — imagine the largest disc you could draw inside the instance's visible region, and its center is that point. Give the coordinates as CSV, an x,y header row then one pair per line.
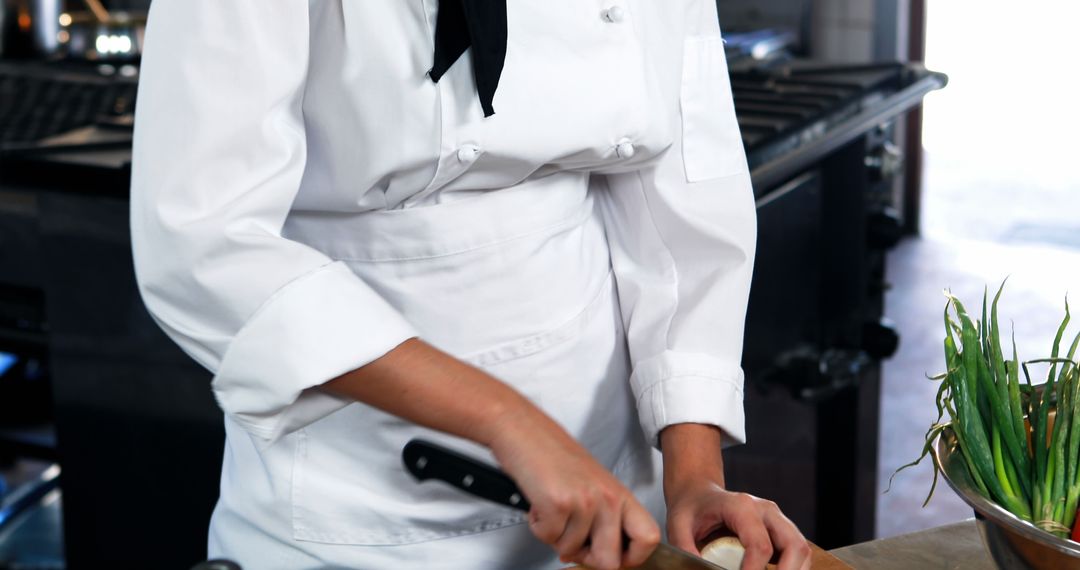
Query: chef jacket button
x,y
625,149
468,153
614,14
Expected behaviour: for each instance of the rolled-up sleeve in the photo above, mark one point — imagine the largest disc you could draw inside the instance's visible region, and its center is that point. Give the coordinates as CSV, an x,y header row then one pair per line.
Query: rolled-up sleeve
x,y
683,235
218,158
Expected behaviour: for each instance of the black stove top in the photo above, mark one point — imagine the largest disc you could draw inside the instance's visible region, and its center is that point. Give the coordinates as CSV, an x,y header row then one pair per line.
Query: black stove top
x,y
794,112
785,107
42,100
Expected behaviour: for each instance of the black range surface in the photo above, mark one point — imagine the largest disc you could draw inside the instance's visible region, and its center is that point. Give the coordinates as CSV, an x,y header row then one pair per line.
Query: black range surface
x,y
794,114
820,142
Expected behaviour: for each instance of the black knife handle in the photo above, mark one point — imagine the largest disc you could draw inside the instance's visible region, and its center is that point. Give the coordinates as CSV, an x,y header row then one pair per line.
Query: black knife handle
x,y
427,460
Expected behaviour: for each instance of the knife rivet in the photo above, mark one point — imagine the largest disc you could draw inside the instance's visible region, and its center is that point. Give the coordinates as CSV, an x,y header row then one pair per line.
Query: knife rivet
x,y
421,462
515,499
467,481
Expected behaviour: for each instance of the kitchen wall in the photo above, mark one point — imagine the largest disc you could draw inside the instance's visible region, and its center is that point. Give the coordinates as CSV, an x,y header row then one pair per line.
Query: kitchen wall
x,y
834,30
843,30
764,13
847,31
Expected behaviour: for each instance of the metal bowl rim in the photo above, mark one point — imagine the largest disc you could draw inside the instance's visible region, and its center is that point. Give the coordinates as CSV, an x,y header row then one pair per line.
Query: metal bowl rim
x,y
991,510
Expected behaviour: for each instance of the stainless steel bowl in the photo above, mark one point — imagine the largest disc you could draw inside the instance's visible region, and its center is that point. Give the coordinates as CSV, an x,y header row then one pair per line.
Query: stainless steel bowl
x,y
1013,543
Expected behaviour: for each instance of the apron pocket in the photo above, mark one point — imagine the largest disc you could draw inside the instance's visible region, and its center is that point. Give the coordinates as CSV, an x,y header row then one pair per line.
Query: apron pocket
x,y
348,484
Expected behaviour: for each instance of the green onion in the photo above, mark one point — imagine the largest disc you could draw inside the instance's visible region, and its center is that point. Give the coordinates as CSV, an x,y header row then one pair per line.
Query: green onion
x,y
982,402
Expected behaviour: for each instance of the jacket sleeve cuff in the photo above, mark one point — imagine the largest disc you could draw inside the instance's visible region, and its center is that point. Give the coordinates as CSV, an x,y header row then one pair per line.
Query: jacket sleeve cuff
x,y
675,388
314,329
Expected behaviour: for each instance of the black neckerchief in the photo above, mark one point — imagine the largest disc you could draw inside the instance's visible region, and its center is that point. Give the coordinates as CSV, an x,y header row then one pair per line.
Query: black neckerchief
x,y
481,24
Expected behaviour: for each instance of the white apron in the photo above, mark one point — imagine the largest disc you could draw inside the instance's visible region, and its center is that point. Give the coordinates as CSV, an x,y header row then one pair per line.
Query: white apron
x,y
304,199
517,282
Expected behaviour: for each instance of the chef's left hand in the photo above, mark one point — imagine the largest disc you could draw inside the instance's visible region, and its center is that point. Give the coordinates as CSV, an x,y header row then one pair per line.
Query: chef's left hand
x,y
699,504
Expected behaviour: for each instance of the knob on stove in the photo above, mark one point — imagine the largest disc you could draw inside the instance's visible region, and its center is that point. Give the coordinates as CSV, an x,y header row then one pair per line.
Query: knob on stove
x,y
880,339
884,229
884,163
814,375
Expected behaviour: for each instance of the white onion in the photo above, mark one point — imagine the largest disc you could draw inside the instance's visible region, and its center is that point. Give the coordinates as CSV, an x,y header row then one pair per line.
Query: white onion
x,y
725,551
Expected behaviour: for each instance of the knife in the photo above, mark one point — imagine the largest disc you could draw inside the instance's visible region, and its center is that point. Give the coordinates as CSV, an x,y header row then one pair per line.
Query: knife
x,y
430,461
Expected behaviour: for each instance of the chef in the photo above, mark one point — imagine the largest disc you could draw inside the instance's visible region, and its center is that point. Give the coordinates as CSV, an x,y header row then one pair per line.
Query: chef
x,y
523,229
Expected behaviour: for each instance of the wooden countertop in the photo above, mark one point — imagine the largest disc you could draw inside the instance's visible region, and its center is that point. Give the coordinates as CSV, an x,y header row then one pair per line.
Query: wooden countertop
x,y
955,546
951,547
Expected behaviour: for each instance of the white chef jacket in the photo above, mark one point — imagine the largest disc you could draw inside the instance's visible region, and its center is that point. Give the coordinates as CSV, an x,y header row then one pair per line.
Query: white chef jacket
x,y
304,199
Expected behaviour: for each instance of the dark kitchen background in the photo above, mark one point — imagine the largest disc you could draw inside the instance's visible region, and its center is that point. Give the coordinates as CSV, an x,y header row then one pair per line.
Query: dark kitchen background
x,y
870,202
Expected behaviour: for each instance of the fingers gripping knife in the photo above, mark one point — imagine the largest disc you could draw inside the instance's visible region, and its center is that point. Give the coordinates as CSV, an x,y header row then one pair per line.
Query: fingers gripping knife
x,y
426,461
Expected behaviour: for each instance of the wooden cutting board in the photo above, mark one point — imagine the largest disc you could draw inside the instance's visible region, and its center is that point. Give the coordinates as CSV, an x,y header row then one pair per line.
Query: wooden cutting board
x,y
820,560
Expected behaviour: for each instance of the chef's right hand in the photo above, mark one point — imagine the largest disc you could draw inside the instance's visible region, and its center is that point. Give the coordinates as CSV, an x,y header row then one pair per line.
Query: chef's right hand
x,y
578,506
575,501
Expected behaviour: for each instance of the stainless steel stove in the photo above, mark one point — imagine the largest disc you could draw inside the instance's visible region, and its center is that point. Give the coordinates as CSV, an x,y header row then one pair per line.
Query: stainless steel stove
x,y
820,141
